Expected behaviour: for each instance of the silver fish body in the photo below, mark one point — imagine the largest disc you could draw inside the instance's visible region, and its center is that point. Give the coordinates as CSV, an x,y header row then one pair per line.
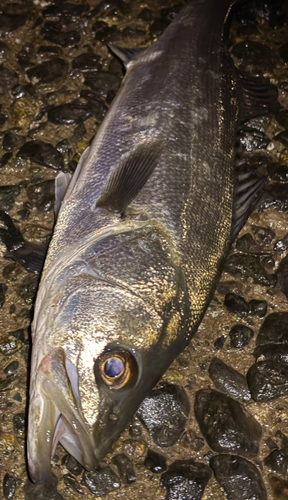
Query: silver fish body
x,y
134,288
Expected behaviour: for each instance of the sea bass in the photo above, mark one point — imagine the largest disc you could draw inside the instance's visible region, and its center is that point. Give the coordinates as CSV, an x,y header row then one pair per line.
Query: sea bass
x,y
142,233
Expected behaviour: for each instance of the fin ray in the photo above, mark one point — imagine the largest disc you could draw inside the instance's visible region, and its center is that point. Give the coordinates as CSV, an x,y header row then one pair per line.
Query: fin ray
x,y
248,190
257,96
129,177
62,182
125,54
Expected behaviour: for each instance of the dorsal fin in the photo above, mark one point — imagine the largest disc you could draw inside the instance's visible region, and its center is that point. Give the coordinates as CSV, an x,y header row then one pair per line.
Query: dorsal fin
x,y
129,177
125,54
65,182
77,172
62,182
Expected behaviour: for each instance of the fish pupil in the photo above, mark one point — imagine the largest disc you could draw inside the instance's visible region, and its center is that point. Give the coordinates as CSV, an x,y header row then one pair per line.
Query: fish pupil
x,y
113,367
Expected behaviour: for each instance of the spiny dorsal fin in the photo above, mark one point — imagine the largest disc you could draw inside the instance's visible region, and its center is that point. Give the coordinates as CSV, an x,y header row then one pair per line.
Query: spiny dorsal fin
x,y
257,96
81,163
125,54
129,177
62,182
248,190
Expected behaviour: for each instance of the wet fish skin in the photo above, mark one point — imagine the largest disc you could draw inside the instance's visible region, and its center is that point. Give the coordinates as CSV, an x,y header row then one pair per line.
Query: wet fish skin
x,y
137,284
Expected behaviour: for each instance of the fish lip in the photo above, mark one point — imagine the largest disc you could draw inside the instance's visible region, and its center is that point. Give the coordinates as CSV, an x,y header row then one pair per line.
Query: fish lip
x,y
55,416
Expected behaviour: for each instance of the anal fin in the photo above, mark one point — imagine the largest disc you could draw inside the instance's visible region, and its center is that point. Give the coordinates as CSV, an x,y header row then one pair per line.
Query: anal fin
x,y
30,255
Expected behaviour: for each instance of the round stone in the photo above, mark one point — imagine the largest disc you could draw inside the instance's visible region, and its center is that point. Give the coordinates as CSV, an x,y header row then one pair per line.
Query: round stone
x,y
226,424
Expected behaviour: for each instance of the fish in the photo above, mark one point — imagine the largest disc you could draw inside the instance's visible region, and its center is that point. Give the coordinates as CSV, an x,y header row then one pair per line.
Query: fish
x,y
142,233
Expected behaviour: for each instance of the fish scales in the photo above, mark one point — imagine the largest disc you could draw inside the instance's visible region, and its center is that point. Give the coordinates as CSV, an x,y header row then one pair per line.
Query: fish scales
x,y
127,293
174,111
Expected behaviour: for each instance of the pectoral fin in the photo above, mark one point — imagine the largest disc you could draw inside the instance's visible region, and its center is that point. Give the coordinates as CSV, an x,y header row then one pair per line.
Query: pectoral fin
x,y
257,96
248,190
129,177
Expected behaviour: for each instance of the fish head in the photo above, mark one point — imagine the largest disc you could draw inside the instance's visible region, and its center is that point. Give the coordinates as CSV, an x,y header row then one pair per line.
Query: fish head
x,y
103,354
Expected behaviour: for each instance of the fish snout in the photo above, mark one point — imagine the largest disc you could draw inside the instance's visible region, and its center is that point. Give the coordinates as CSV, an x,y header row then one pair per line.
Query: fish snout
x,y
55,416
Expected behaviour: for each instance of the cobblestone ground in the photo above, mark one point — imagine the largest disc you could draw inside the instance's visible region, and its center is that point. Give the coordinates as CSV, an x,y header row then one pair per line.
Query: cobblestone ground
x,y
217,424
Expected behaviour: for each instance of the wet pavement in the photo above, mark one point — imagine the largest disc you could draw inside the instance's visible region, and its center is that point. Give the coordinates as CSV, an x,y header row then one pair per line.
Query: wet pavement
x,y
216,426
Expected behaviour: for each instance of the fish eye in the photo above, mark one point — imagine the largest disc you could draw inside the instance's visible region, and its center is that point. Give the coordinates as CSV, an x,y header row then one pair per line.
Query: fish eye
x,y
116,368
113,367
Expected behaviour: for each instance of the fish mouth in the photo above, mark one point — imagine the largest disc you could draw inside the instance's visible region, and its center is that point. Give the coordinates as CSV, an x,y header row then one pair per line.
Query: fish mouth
x,y
55,416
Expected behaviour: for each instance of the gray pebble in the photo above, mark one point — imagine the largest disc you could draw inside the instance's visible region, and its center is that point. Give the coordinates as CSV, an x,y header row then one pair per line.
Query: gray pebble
x,y
12,141
70,113
185,480
279,487
268,379
7,196
9,486
282,276
49,51
8,77
48,71
102,82
105,33
278,172
277,352
125,468
283,51
4,159
257,308
3,290
155,462
254,57
226,425
72,465
282,137
19,424
87,62
239,478
72,483
228,380
12,368
251,140
240,336
282,118
41,153
275,196
158,26
10,23
274,329
250,266
27,288
259,123
277,462
263,235
101,481
66,39
164,412
236,304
